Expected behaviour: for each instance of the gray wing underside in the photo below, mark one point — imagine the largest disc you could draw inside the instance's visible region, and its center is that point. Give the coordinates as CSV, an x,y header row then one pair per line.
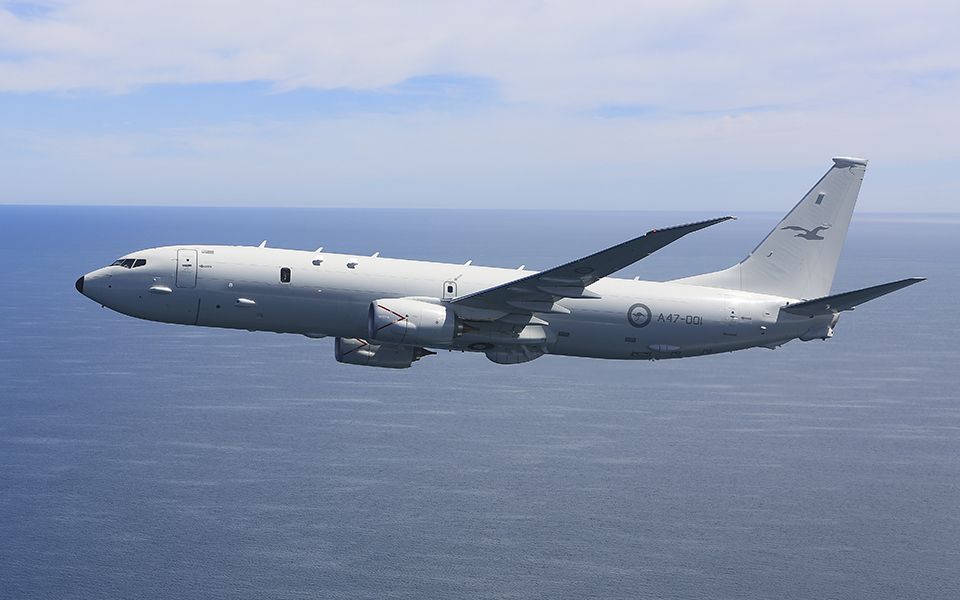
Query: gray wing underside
x,y
538,293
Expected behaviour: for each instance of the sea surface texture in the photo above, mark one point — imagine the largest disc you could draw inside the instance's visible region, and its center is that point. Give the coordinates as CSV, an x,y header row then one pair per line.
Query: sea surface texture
x,y
153,461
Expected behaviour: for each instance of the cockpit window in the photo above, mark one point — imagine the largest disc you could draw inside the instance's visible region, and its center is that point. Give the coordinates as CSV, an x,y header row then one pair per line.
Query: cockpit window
x,y
129,263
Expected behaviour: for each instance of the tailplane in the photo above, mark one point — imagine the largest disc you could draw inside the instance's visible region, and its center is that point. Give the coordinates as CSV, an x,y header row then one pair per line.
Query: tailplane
x,y
847,300
799,257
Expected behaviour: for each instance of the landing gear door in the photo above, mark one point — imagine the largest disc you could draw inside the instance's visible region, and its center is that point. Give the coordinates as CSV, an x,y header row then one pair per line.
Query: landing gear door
x,y
186,268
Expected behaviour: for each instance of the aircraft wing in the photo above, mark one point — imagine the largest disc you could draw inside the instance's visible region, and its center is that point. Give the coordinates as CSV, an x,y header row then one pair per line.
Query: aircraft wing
x,y
847,300
538,293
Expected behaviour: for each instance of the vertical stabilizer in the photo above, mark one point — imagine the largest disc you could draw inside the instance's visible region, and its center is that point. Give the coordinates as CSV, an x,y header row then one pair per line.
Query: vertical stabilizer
x,y
799,257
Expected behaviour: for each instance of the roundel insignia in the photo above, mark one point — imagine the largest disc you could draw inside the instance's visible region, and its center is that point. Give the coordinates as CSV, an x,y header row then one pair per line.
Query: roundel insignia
x,y
584,270
480,346
639,315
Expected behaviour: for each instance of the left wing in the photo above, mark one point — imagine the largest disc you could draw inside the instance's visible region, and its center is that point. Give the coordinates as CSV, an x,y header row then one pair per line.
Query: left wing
x,y
538,293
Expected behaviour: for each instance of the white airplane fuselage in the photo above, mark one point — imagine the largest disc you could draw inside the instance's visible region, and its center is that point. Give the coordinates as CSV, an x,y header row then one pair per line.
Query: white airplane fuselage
x,y
387,312
327,294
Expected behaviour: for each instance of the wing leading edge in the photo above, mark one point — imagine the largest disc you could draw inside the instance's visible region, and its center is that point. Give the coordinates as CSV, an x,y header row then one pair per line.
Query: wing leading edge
x,y
538,293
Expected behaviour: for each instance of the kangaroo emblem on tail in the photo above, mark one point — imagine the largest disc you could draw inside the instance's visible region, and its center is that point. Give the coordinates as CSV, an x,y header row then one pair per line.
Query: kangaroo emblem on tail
x,y
808,234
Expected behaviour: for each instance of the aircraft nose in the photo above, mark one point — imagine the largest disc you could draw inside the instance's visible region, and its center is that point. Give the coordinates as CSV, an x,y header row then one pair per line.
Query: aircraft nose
x,y
80,285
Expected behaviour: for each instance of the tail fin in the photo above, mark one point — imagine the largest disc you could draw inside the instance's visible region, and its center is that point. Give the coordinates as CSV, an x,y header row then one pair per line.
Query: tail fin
x,y
799,257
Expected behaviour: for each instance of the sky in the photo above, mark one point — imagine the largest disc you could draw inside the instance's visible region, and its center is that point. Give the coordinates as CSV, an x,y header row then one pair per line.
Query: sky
x,y
710,106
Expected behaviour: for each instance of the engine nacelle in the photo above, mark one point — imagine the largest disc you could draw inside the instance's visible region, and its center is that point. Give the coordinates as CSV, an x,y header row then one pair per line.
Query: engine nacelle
x,y
354,351
409,321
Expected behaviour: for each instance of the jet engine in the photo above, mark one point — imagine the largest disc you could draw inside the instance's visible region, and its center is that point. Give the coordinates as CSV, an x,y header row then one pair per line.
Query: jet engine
x,y
409,321
354,351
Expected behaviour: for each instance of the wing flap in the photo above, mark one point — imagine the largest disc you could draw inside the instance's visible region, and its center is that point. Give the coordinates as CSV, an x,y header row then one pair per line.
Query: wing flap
x,y
846,300
535,306
567,291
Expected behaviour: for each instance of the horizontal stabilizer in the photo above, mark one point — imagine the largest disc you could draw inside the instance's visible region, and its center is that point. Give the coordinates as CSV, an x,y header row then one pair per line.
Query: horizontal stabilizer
x,y
847,300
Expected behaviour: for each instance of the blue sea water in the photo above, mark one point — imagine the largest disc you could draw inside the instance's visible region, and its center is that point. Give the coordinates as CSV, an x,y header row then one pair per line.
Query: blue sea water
x,y
143,460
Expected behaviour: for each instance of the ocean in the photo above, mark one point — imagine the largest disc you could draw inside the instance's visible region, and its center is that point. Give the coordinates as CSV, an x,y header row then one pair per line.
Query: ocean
x,y
154,461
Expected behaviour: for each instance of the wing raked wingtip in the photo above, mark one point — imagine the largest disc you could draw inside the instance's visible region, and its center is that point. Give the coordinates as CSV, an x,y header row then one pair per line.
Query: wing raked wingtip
x,y
695,224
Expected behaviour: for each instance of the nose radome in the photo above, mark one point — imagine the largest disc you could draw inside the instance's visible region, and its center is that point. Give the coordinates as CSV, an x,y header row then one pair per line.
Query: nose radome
x,y
80,285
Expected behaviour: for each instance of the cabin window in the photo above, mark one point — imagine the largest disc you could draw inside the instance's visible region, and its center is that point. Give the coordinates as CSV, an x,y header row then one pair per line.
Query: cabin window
x,y
285,275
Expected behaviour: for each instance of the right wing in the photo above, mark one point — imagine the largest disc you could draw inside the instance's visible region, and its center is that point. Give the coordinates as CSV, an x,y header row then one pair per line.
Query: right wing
x,y
538,293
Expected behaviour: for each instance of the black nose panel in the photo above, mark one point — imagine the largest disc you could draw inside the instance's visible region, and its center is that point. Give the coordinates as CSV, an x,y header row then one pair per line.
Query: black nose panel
x,y
80,285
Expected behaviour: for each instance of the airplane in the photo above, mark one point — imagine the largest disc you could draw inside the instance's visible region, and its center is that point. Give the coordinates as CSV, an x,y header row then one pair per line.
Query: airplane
x,y
386,312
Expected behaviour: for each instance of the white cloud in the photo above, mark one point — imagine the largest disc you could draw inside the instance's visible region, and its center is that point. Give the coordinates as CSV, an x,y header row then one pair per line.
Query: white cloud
x,y
709,87
506,158
706,55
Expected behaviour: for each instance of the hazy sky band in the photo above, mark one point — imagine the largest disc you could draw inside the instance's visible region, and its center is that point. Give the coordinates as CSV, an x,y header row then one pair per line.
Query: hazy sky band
x,y
519,104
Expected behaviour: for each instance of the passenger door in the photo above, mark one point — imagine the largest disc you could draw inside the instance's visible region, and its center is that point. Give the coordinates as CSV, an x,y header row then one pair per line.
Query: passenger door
x,y
186,268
